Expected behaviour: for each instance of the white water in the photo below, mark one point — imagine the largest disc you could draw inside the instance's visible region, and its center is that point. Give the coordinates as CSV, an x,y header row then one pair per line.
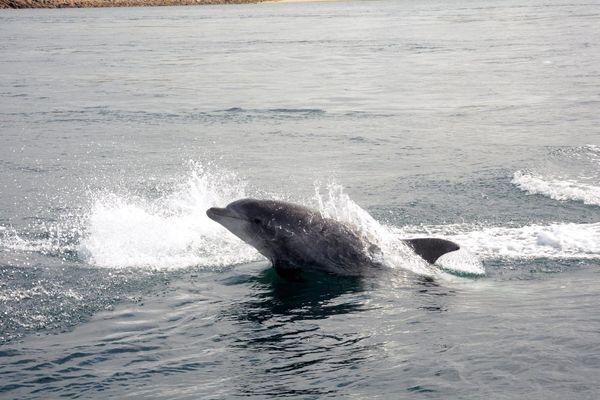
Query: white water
x,y
338,205
169,232
592,153
557,189
172,231
58,239
558,241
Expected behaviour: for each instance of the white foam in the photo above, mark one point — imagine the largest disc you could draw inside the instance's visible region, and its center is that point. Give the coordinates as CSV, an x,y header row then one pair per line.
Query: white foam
x,y
338,205
557,189
169,232
593,153
17,295
59,240
556,241
172,230
592,148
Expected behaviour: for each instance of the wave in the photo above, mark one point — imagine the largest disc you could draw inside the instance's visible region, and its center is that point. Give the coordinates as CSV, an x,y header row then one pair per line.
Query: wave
x,y
98,114
557,189
276,110
554,241
592,148
169,232
338,205
58,240
171,229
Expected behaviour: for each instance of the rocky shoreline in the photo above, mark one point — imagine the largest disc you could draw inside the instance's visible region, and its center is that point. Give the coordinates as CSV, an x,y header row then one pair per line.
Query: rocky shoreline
x,y
113,3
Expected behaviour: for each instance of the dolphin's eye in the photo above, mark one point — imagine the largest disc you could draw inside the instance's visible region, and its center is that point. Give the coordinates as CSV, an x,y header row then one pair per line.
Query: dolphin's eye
x,y
256,221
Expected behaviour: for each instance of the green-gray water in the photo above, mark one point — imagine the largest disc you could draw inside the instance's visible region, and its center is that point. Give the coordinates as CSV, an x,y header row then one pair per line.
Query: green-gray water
x,y
475,121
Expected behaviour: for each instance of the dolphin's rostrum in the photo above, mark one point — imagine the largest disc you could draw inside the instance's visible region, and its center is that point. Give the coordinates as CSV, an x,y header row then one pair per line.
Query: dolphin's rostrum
x,y
296,238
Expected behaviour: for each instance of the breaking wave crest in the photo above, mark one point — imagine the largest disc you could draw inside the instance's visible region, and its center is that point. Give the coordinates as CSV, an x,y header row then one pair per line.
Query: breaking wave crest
x,y
557,189
555,241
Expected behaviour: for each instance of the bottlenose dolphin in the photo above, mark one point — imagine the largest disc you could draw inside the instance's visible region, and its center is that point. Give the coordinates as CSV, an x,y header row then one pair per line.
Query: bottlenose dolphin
x,y
296,238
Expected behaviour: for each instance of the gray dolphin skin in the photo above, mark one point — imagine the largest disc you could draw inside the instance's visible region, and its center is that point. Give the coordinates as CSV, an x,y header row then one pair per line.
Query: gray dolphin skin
x,y
295,238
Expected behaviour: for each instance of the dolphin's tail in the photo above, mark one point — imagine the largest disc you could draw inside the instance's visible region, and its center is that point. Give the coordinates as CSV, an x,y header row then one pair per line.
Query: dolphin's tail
x,y
430,249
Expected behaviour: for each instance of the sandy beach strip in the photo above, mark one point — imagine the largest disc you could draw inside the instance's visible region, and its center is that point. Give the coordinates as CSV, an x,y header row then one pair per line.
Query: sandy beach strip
x,y
298,1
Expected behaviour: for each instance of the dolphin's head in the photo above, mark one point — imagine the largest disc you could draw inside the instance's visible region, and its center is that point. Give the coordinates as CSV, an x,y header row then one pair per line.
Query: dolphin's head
x,y
263,224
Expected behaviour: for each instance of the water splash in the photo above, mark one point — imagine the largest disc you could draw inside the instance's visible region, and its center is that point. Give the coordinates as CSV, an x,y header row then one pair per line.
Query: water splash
x,y
593,153
57,239
336,204
555,241
557,189
169,232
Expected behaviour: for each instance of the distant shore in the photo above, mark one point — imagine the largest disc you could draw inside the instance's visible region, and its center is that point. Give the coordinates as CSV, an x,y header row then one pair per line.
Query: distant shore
x,y
113,3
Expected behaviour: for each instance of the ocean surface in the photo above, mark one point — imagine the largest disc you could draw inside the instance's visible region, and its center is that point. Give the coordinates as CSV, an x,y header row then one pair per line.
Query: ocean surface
x,y
475,121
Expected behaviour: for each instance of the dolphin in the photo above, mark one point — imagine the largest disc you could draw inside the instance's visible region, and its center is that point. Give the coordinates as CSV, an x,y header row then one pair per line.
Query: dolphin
x,y
295,238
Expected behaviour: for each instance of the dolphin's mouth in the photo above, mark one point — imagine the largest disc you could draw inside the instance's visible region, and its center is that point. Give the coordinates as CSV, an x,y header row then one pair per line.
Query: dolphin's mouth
x,y
217,214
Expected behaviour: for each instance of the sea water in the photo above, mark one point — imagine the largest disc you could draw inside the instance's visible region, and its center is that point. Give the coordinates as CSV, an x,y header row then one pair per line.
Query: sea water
x,y
475,121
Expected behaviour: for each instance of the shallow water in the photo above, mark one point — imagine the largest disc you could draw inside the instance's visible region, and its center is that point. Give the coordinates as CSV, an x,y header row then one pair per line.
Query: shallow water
x,y
473,121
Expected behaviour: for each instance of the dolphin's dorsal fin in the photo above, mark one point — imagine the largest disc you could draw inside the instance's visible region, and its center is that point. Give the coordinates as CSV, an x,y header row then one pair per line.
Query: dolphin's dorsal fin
x,y
430,249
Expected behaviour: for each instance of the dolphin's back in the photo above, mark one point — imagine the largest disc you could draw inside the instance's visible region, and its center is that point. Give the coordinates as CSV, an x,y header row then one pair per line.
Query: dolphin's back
x,y
325,245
